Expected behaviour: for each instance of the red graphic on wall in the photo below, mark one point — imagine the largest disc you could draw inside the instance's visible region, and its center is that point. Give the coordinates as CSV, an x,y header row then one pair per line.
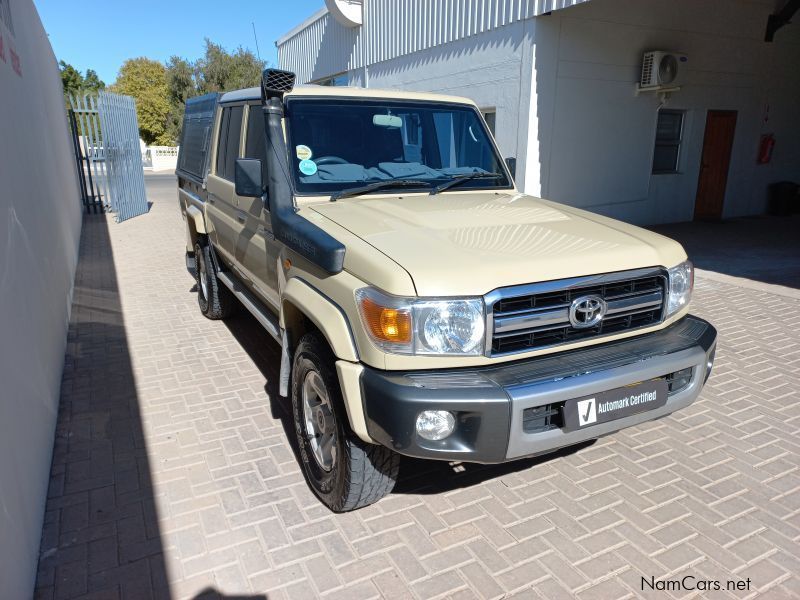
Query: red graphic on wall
x,y
16,64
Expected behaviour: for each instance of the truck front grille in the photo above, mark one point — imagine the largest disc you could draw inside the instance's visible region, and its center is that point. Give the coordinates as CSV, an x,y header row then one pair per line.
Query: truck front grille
x,y
538,315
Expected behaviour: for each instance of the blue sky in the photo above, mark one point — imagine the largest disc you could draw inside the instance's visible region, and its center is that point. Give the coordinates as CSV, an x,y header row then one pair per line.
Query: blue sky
x,y
100,35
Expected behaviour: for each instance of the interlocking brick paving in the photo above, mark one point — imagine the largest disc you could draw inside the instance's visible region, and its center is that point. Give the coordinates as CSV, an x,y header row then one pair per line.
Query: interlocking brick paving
x,y
173,476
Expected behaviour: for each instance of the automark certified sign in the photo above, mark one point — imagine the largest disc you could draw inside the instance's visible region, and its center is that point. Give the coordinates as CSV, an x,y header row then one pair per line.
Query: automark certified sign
x,y
615,404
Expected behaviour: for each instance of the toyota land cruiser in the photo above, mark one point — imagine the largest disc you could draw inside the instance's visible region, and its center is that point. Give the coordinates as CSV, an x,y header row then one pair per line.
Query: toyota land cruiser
x,y
424,306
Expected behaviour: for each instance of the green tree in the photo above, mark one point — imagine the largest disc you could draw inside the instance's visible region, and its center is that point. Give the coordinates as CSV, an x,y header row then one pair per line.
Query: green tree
x,y
71,79
93,83
217,71
146,81
76,84
222,71
182,86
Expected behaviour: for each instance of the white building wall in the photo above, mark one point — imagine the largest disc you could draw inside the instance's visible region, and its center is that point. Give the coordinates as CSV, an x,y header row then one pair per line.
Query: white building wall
x,y
40,214
493,69
596,138
321,46
563,85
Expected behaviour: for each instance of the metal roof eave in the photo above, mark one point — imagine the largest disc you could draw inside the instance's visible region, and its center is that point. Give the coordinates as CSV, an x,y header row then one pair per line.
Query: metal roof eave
x,y
301,27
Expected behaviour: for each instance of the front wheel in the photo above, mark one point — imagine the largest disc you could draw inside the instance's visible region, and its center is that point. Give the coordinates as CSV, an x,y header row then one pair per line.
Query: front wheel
x,y
344,472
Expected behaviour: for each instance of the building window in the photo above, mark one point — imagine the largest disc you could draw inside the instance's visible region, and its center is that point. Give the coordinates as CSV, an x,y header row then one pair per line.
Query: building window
x,y
490,116
341,79
669,132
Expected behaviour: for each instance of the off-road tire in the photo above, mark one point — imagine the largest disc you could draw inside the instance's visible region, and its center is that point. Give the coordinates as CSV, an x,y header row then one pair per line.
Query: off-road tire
x,y
362,473
216,302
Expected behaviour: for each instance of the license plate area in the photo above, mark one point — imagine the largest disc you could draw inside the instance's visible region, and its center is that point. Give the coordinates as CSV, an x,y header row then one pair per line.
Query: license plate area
x,y
583,413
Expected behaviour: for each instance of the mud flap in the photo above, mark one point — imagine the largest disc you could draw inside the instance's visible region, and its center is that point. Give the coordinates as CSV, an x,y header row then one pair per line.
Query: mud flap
x,y
286,366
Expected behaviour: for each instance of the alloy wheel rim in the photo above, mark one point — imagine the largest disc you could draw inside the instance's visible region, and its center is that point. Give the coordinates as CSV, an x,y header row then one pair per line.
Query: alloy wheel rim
x,y
203,278
318,421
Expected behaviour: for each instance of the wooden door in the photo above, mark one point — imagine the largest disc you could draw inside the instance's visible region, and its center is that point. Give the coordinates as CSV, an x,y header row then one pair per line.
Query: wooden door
x,y
714,164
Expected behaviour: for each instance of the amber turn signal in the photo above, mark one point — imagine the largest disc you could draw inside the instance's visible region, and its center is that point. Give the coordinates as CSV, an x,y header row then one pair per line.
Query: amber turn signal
x,y
388,324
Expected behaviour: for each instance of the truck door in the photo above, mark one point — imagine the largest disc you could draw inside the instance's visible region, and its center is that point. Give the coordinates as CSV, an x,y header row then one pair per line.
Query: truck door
x,y
222,208
257,251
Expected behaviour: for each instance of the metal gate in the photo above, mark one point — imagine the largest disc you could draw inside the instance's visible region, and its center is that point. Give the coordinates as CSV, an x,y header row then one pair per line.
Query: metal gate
x,y
105,135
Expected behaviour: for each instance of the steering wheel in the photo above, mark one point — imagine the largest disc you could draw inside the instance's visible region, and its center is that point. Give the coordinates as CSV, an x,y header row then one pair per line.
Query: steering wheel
x,y
331,160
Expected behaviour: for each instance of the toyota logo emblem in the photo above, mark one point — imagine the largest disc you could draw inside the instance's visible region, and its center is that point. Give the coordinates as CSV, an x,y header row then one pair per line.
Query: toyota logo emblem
x,y
587,311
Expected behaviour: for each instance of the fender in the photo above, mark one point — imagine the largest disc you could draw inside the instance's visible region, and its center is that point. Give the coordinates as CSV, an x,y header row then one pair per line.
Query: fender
x,y
324,313
194,210
331,321
194,213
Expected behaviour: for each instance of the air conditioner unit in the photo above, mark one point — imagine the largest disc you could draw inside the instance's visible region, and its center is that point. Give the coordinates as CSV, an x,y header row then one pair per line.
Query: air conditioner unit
x,y
662,69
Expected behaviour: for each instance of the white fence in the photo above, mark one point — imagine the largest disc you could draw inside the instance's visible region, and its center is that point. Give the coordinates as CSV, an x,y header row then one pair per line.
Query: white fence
x,y
160,158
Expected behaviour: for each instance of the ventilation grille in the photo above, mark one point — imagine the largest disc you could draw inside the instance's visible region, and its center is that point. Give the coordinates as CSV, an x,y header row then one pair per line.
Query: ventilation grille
x,y
647,69
277,81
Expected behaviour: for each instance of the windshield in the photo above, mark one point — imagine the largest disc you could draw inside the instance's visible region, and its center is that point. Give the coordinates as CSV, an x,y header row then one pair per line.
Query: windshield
x,y
338,144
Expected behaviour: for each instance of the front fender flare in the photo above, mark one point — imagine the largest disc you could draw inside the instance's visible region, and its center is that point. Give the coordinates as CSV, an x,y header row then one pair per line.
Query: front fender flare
x,y
324,313
329,318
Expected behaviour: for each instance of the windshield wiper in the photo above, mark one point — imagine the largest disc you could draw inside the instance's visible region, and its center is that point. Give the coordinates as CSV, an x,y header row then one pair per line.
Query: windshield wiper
x,y
378,185
459,179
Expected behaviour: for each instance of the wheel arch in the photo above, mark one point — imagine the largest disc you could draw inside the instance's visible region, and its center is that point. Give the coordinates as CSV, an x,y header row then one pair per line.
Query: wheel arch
x,y
303,305
304,309
195,220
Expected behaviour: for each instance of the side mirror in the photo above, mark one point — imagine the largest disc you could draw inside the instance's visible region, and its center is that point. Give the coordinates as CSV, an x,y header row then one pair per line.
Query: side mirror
x,y
247,178
511,163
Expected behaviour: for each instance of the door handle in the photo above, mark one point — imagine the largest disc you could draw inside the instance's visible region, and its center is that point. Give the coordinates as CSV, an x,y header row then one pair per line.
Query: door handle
x,y
212,198
242,217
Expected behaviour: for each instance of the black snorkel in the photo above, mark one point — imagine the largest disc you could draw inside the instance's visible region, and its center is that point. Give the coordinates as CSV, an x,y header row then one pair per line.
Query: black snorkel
x,y
297,233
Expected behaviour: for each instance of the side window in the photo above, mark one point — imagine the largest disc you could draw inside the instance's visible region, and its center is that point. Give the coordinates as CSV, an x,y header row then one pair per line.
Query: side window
x,y
219,168
232,147
254,145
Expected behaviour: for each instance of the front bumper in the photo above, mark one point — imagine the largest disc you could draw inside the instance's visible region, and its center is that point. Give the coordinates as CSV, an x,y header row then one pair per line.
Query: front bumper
x,y
493,404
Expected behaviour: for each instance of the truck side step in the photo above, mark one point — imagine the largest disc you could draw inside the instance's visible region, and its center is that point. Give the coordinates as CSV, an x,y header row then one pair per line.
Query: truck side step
x,y
262,315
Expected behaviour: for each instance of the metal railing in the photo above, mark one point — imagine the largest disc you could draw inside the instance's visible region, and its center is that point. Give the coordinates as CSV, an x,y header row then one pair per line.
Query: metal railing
x,y
106,139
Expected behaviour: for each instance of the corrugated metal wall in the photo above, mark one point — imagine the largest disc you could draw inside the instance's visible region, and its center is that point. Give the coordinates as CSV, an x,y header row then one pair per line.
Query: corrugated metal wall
x,y
398,27
303,52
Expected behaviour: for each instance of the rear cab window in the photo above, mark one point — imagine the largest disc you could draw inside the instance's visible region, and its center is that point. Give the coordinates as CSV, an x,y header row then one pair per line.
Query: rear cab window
x,y
230,132
255,143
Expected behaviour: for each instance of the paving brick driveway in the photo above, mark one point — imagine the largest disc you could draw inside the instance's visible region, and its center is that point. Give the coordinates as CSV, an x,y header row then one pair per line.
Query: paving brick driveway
x,y
172,475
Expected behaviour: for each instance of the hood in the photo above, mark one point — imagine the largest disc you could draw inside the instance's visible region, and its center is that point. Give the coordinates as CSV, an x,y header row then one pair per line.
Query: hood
x,y
460,244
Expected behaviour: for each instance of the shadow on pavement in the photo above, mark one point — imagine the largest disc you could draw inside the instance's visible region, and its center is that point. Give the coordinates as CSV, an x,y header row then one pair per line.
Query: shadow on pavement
x,y
101,534
765,248
212,594
416,476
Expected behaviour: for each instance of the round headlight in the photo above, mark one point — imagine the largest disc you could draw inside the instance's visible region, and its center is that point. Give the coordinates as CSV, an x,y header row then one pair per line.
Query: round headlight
x,y
435,425
452,327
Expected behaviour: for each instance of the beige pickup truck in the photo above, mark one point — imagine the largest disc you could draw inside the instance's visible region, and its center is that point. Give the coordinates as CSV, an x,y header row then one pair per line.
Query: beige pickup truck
x,y
424,306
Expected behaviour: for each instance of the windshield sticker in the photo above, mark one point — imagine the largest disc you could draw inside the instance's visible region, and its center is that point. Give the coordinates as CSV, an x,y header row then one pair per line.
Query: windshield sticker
x,y
303,152
308,167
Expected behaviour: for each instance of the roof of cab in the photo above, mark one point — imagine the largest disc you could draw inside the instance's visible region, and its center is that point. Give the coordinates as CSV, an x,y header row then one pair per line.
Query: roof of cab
x,y
323,91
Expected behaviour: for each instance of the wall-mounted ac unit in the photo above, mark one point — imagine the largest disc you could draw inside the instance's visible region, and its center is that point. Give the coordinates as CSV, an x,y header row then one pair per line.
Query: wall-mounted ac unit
x,y
662,69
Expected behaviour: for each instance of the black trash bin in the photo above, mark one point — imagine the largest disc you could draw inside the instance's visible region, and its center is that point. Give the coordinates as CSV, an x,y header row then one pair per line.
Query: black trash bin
x,y
783,198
